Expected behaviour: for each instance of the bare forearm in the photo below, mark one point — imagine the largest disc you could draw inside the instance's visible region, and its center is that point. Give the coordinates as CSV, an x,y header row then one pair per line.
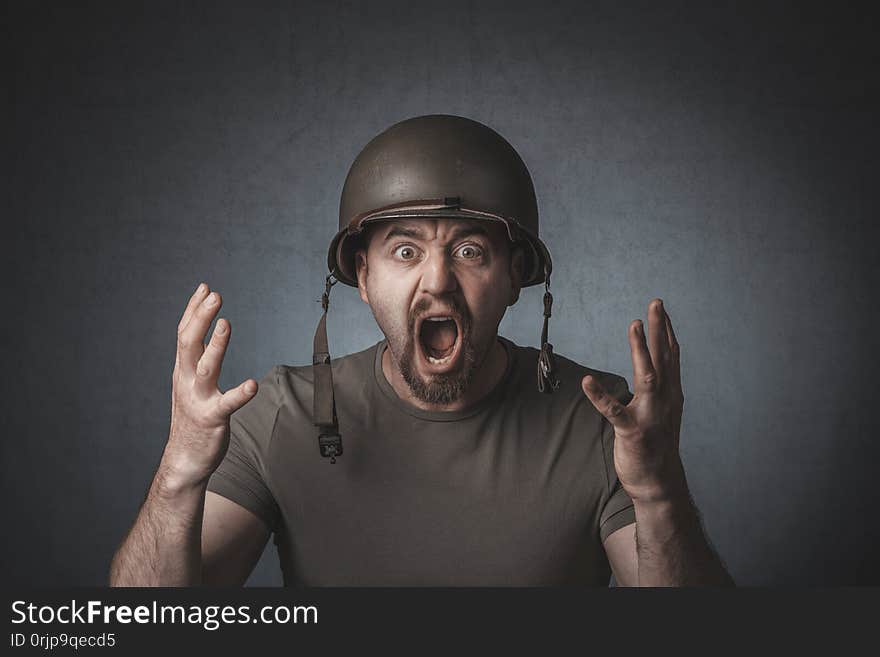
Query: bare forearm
x,y
163,547
672,548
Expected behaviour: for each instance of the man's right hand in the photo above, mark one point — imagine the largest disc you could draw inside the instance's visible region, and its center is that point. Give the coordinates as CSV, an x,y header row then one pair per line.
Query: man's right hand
x,y
200,413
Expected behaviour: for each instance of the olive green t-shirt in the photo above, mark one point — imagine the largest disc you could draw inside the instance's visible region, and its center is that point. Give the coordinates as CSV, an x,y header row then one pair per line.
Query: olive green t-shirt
x,y
517,490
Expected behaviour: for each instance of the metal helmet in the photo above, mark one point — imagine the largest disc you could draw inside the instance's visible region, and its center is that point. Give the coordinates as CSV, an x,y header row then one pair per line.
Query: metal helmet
x,y
439,166
431,166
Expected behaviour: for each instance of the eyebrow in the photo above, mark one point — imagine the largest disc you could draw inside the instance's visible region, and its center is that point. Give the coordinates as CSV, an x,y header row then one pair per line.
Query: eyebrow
x,y
417,233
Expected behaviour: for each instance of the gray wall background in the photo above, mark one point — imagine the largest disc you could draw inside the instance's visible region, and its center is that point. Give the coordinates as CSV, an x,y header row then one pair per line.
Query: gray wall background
x,y
724,160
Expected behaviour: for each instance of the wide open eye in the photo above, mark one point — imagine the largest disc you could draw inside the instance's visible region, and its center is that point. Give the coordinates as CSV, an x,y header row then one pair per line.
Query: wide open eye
x,y
469,251
405,252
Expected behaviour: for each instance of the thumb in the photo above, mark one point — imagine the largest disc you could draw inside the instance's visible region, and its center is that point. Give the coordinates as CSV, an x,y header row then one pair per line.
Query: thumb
x,y
610,407
232,400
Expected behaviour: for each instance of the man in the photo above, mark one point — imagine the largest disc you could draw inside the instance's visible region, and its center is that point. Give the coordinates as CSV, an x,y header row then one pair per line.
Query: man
x,y
456,469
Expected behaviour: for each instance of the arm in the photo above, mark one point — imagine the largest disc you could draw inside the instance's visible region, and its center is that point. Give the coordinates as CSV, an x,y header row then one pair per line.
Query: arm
x,y
176,523
184,537
233,539
666,546
163,548
672,547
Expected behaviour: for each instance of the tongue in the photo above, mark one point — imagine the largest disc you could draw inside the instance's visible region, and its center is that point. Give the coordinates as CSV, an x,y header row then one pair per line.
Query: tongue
x,y
439,337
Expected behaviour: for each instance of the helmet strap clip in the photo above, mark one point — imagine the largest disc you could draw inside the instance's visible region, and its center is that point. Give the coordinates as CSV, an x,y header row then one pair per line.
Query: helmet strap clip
x,y
547,380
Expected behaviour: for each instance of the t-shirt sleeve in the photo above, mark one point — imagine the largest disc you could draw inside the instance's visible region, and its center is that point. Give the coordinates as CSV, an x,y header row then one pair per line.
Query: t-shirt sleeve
x,y
242,475
618,510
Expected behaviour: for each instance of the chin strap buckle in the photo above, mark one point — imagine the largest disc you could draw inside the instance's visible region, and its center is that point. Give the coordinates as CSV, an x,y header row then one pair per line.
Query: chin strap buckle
x,y
325,298
330,445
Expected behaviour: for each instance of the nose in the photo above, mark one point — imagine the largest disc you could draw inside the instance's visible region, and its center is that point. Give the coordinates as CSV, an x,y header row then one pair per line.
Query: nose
x,y
438,277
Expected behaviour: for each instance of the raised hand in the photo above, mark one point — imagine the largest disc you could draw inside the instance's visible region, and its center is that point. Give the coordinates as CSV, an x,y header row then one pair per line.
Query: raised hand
x,y
200,412
646,431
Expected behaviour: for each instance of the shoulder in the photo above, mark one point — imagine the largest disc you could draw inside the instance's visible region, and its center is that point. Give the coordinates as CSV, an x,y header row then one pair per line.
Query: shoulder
x,y
570,374
351,367
289,389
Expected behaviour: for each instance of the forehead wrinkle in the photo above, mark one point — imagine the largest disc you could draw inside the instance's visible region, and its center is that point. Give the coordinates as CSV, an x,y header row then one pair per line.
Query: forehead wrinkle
x,y
457,232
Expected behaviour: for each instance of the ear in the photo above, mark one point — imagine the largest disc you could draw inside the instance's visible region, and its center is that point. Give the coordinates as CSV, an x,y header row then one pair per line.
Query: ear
x,y
360,263
517,265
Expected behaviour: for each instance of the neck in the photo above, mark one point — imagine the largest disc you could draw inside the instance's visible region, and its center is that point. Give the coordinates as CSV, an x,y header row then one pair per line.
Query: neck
x,y
488,374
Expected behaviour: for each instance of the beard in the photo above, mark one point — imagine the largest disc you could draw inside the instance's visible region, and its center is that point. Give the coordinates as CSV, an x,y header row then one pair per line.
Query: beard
x,y
447,387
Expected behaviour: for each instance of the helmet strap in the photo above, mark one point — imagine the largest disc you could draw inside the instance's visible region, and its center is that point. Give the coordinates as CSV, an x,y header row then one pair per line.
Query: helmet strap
x,y
547,381
329,438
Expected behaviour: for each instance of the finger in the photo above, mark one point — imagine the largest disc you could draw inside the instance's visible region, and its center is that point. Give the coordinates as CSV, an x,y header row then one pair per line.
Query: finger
x,y
197,297
200,348
191,341
231,400
208,368
675,369
608,405
644,376
658,340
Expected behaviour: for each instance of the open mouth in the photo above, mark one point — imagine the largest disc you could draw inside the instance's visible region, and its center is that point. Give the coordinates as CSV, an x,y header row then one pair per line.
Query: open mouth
x,y
439,338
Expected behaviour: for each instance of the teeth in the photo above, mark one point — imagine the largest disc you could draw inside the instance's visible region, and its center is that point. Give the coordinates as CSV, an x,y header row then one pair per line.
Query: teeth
x,y
439,361
436,319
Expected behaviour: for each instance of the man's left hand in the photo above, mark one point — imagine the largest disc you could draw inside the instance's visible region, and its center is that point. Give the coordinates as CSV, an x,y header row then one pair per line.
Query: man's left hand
x,y
646,430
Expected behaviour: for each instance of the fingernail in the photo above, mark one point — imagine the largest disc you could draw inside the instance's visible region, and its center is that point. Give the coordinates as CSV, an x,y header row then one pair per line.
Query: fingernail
x,y
200,288
221,328
211,300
